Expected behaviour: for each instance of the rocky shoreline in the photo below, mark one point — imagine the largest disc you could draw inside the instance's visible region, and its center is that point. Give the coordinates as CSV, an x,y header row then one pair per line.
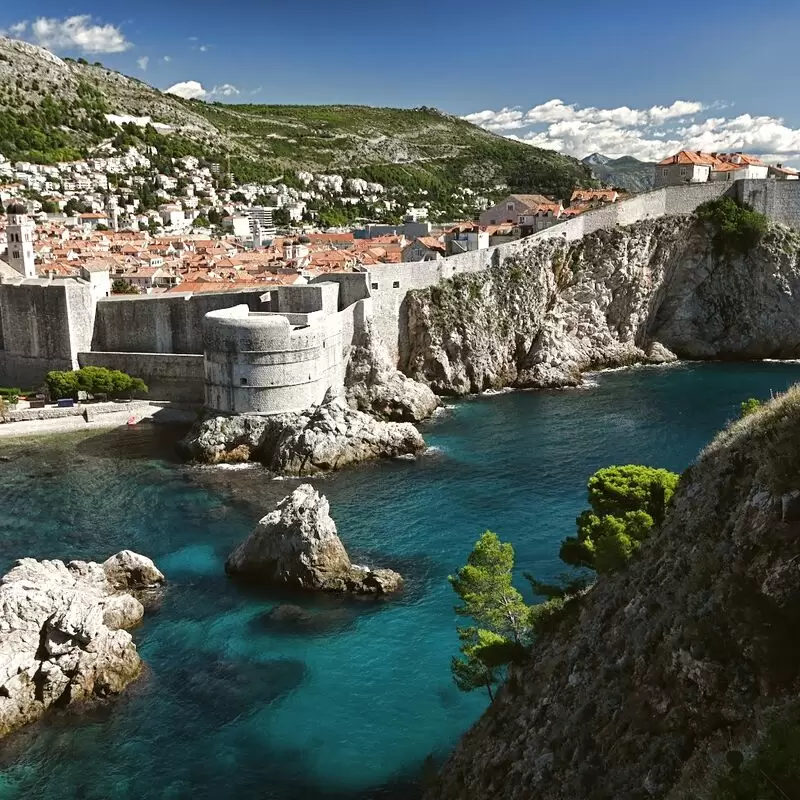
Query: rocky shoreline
x,y
324,438
63,637
646,293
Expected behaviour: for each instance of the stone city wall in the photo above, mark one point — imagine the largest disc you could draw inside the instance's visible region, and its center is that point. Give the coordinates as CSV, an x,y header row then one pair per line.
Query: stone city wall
x,y
779,200
175,377
164,324
43,324
389,283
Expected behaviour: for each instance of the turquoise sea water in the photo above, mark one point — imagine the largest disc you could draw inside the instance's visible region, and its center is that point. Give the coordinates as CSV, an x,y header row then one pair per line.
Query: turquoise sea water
x,y
350,701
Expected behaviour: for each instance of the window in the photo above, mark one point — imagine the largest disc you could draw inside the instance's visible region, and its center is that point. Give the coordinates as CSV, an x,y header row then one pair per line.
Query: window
x,y
665,172
683,172
395,284
15,254
509,206
374,285
244,381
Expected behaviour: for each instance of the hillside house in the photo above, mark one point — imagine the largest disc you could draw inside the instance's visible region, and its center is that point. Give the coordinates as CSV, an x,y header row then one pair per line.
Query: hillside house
x,y
690,166
426,248
465,237
515,205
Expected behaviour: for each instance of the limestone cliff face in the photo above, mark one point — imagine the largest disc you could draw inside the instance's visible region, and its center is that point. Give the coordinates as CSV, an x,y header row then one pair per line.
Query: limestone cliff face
x,y
616,297
664,668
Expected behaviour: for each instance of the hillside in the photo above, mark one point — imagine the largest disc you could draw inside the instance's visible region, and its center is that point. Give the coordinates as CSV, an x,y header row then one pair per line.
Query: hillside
x,y
54,109
626,173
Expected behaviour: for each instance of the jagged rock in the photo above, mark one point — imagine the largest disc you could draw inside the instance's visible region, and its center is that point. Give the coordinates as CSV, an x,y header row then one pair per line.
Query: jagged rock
x,y
663,668
296,547
129,570
658,354
61,637
638,294
375,386
323,438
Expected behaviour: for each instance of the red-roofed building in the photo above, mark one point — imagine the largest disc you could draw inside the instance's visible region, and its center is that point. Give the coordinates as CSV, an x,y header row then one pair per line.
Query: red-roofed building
x,y
694,166
426,248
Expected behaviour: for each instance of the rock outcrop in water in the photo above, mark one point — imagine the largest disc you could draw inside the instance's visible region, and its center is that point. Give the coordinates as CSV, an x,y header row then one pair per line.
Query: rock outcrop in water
x,y
629,295
324,438
666,672
61,632
296,546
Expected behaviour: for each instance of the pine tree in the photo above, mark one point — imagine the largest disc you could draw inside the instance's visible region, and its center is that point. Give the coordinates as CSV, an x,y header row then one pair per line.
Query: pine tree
x,y
502,617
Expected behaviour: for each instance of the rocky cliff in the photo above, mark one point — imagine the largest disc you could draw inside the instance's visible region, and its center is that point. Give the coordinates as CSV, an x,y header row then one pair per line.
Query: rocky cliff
x,y
663,677
616,297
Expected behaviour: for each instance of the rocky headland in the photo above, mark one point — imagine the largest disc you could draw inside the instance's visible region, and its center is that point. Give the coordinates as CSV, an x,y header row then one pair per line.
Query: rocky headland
x,y
62,637
321,439
645,293
668,677
296,546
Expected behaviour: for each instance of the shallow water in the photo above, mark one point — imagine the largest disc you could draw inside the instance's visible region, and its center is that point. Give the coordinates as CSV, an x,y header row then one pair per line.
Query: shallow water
x,y
349,701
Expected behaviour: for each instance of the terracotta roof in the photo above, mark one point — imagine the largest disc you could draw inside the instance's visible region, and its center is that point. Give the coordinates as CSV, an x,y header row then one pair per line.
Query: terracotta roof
x,y
431,243
587,195
694,157
534,200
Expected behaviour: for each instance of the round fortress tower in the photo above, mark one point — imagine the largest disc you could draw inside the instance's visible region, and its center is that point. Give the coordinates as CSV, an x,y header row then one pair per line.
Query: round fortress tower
x,y
265,363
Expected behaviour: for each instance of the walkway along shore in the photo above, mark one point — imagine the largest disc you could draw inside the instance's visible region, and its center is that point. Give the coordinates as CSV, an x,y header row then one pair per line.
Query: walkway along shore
x,y
99,417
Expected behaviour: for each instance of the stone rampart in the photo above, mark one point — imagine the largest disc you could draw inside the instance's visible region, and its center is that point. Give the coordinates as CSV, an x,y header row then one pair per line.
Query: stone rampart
x,y
165,324
44,325
389,283
175,377
268,363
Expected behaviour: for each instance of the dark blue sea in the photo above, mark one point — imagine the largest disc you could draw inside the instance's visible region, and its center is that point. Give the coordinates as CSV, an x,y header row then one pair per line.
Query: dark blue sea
x,y
349,701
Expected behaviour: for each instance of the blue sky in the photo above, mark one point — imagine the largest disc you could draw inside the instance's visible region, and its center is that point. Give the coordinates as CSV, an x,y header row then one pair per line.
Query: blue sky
x,y
467,57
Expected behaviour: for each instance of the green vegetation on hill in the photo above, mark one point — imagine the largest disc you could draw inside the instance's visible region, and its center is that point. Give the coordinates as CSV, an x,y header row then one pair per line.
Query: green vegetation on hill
x,y
419,148
52,110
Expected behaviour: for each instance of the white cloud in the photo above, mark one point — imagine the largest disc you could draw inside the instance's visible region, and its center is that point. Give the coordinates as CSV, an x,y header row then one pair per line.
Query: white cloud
x,y
648,133
257,90
167,59
189,90
225,90
79,33
15,31
203,48
194,90
143,62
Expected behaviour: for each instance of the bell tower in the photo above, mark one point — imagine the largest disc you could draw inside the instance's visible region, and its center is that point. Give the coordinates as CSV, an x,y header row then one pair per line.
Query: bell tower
x,y
19,234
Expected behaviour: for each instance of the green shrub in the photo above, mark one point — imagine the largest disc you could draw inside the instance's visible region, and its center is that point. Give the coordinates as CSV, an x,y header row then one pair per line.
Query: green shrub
x,y
93,380
626,501
749,406
737,227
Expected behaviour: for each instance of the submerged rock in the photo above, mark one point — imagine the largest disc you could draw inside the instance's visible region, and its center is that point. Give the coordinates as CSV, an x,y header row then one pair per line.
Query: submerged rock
x,y
323,438
296,546
61,637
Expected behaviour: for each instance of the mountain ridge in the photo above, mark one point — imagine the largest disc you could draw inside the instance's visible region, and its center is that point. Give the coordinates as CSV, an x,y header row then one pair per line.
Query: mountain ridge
x,y
50,100
626,172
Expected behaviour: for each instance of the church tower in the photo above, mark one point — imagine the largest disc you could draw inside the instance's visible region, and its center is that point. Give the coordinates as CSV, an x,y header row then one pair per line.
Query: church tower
x,y
19,234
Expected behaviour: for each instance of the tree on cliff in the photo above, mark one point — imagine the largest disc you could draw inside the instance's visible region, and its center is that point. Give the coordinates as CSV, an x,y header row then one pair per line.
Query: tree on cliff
x,y
502,617
626,501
